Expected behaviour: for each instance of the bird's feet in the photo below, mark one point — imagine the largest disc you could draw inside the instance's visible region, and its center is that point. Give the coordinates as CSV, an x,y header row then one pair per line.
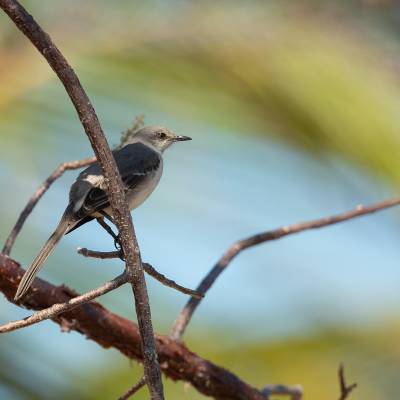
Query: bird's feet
x,y
117,242
118,246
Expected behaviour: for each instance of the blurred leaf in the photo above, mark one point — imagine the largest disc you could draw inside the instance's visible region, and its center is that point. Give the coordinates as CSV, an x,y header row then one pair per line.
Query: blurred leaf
x,y
326,87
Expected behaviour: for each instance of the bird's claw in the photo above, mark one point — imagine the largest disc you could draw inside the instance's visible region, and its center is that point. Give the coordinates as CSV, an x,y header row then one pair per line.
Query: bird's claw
x,y
118,246
117,243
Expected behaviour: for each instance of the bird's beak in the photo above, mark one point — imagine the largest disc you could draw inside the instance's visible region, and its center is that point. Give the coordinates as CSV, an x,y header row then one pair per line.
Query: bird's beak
x,y
181,138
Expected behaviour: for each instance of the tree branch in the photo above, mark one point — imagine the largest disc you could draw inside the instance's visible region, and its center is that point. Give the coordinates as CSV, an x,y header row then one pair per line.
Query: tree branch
x,y
102,255
127,134
115,191
345,389
147,267
130,392
169,282
41,190
185,315
58,308
110,330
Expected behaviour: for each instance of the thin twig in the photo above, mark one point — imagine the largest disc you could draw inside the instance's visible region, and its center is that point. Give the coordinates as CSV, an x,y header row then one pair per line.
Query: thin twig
x,y
345,389
170,283
107,329
41,190
120,211
295,392
147,267
56,309
128,133
102,255
133,389
185,315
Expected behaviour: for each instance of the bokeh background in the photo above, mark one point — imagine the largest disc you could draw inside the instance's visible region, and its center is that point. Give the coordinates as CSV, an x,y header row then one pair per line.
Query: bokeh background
x,y
294,112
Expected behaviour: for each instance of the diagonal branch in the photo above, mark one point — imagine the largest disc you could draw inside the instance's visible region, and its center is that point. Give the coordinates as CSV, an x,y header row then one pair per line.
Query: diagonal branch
x,y
345,389
147,267
169,282
185,315
41,190
110,330
87,115
131,391
58,308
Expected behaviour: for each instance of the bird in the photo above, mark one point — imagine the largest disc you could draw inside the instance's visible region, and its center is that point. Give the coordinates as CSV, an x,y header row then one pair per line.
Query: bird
x,y
140,164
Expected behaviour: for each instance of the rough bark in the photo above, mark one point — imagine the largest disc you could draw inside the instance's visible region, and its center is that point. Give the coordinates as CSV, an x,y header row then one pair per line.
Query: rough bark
x,y
110,330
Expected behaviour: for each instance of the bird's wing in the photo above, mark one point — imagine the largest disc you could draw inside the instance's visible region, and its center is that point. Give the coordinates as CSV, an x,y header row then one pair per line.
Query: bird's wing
x,y
134,161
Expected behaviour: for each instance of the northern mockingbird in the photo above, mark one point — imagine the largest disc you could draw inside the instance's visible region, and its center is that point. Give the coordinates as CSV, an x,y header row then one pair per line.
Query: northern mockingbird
x,y
140,164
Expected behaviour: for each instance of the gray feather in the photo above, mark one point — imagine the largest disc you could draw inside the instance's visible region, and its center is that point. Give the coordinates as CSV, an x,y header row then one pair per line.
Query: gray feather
x,y
136,162
43,255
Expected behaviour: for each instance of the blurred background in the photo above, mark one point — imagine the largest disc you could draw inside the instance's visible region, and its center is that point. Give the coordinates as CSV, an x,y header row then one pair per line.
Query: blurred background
x,y
294,112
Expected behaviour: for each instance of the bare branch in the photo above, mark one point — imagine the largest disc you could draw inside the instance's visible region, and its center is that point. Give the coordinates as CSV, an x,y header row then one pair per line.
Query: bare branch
x,y
102,255
128,133
120,211
133,389
345,389
41,190
170,283
147,267
295,392
110,330
56,309
185,315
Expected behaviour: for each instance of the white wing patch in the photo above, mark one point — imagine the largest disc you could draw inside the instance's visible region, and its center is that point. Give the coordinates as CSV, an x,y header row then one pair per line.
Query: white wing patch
x,y
94,180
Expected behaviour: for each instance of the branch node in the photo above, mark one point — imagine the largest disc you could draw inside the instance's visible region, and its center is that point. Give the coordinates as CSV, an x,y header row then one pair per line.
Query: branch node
x,y
345,389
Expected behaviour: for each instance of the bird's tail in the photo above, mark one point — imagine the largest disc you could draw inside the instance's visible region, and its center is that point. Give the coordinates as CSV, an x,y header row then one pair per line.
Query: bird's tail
x,y
41,258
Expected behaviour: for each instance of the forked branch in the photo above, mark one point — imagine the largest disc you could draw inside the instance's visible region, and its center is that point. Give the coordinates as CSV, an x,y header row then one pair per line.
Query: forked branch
x,y
130,392
345,389
146,266
185,315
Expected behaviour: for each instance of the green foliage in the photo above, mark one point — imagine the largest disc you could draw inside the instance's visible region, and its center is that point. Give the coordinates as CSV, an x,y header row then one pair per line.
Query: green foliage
x,y
262,68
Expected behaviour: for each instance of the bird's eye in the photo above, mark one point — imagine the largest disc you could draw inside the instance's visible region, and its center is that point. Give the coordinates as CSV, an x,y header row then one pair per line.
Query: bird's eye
x,y
162,135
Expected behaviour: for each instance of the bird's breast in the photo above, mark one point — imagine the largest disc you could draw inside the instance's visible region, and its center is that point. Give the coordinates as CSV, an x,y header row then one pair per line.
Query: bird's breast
x,y
141,192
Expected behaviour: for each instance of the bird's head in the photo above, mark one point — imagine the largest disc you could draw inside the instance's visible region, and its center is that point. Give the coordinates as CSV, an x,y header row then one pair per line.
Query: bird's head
x,y
158,137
